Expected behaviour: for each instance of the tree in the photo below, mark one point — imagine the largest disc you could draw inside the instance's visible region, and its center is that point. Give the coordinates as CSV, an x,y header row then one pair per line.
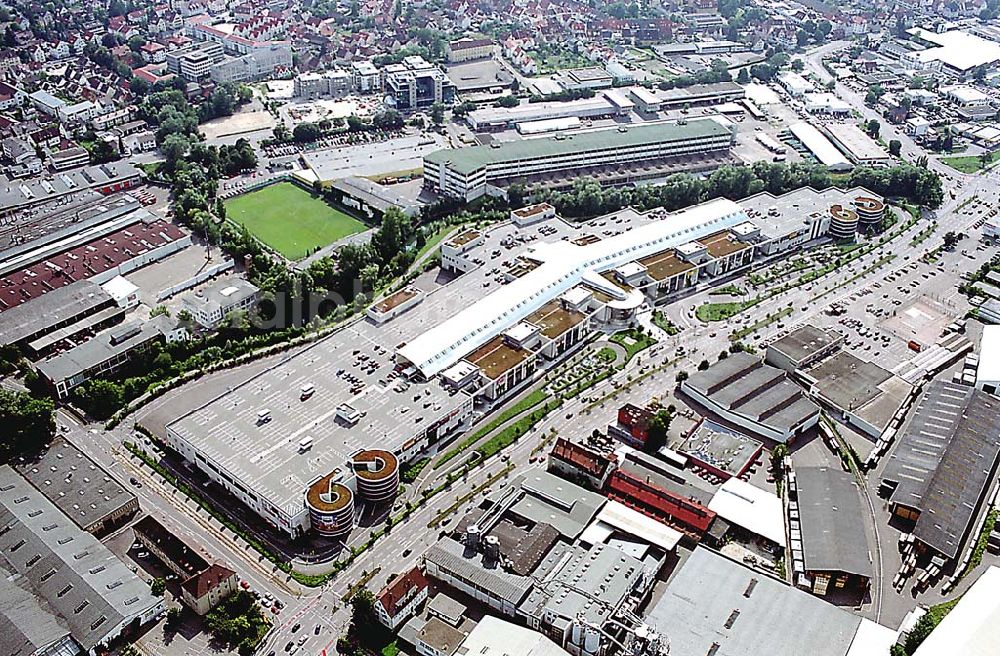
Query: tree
x,y
174,617
681,376
387,119
158,586
100,398
437,114
873,127
306,132
798,65
895,147
778,455
508,101
28,423
951,239
364,632
658,427
744,76
703,365
138,86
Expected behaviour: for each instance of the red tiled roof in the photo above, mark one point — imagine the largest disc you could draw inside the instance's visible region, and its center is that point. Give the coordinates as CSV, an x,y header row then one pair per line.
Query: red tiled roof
x,y
659,503
588,460
400,589
204,582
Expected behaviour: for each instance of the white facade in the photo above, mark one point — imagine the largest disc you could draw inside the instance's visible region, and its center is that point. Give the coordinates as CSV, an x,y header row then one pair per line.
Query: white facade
x,y
988,374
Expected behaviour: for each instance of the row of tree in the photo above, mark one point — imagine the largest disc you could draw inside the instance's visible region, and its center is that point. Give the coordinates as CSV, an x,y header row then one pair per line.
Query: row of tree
x,y
588,198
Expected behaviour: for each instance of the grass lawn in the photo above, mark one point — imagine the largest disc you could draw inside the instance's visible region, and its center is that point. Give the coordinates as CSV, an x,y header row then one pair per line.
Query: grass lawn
x,y
721,311
632,341
291,220
968,163
534,398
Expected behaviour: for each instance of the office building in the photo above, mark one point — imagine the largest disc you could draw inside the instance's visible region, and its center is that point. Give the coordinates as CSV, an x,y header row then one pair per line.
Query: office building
x,y
194,62
415,84
469,49
258,64
467,172
213,304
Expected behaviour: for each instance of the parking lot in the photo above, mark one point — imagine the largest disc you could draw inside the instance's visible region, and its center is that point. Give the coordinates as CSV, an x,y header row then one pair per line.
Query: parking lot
x,y
400,154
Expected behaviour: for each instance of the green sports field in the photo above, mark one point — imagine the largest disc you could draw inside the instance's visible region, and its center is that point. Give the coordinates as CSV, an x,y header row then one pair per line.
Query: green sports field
x,y
291,220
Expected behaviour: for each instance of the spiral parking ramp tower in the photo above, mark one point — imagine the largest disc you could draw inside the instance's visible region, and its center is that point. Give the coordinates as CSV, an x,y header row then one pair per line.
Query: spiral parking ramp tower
x,y
870,212
843,222
376,475
331,506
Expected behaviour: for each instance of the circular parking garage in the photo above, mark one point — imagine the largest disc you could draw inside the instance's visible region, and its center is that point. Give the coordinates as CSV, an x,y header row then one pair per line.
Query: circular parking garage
x,y
377,475
331,507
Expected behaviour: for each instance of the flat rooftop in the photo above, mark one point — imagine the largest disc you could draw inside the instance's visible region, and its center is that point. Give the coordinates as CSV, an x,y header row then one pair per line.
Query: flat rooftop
x,y
945,461
665,265
265,457
722,244
563,505
554,320
721,447
860,387
496,357
804,341
564,266
779,215
395,300
714,605
587,583
75,483
463,238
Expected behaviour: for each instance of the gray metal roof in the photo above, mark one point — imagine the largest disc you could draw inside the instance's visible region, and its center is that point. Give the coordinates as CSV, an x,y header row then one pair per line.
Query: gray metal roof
x,y
833,536
452,557
744,385
76,484
26,628
378,196
555,501
590,583
713,600
68,570
48,310
945,460
103,347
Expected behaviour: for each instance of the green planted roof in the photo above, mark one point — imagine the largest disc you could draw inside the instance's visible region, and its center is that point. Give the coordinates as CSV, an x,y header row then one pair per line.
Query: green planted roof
x,y
468,160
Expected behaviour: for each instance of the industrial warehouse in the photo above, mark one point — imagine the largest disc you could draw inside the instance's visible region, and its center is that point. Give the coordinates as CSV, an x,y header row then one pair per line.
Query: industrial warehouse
x,y
287,442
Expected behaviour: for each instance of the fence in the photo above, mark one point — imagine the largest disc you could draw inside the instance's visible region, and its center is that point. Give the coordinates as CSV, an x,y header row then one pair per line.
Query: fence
x,y
201,277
